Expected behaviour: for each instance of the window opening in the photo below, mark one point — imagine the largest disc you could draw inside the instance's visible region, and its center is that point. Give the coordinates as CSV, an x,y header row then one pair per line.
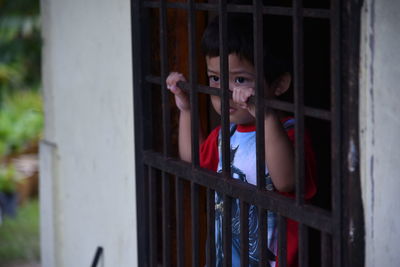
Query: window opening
x,y
176,200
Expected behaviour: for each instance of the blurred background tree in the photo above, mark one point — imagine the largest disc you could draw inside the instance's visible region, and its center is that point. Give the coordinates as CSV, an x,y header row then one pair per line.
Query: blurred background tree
x,y
21,116
21,126
20,46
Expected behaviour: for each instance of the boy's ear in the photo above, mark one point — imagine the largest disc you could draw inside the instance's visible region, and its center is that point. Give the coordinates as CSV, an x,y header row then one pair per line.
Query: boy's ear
x,y
282,84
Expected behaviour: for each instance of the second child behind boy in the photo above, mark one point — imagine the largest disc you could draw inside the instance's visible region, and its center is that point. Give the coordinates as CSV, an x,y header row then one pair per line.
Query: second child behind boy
x,y
279,136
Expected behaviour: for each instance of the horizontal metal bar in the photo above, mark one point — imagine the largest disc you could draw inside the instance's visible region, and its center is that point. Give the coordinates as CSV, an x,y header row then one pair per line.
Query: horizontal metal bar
x,y
317,113
270,10
309,215
282,11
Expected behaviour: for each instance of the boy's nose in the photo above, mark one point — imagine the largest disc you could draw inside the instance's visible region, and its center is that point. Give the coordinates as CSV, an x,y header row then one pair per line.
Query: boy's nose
x,y
231,85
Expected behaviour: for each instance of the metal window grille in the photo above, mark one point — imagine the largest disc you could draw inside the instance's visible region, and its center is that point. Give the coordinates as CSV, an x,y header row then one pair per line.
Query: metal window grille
x,y
171,229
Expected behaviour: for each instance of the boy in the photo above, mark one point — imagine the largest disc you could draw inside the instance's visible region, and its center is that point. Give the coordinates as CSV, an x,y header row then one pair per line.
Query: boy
x,y
279,136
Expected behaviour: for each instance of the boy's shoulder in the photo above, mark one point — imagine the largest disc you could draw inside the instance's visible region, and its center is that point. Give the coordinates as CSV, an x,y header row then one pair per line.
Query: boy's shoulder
x,y
209,150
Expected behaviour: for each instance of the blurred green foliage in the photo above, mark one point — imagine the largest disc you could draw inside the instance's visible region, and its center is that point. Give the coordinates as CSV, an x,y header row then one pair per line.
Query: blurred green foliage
x,y
8,182
21,114
19,237
21,118
20,46
21,121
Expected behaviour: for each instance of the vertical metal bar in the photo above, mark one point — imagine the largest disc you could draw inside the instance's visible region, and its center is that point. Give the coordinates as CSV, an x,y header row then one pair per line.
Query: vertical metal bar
x,y
336,131
166,236
262,237
227,231
326,250
140,100
299,126
179,222
282,250
210,228
166,213
303,246
153,216
164,69
194,130
353,243
260,131
194,102
299,98
224,78
244,234
195,224
226,168
260,111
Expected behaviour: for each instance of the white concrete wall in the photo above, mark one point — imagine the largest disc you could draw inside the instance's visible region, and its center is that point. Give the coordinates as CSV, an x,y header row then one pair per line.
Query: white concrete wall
x,y
380,130
87,158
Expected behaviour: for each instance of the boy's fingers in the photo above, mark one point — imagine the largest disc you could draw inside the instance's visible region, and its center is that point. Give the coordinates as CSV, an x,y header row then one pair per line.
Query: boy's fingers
x,y
172,80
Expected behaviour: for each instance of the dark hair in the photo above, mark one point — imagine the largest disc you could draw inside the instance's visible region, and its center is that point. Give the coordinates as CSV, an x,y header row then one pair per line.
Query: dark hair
x,y
240,42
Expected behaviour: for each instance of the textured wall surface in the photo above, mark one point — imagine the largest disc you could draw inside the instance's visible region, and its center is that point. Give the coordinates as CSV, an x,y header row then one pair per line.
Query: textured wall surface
x,y
88,154
380,130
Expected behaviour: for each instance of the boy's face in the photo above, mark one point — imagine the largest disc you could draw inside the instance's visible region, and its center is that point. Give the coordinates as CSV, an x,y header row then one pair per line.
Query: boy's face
x,y
241,74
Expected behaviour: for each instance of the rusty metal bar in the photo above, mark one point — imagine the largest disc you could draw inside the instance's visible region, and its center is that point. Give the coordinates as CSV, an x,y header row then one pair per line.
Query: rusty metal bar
x,y
312,216
282,242
244,234
180,221
210,228
153,217
227,231
336,131
299,98
166,218
195,223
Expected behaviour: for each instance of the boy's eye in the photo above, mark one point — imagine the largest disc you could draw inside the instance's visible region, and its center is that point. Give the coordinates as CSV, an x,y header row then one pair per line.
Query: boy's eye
x,y
240,80
213,78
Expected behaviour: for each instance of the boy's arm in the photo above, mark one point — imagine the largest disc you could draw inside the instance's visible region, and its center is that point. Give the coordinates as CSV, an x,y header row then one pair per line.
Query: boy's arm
x,y
185,136
183,104
279,154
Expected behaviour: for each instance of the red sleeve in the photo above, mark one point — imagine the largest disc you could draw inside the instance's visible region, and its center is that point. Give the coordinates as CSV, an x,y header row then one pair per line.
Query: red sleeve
x,y
209,151
310,166
292,235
